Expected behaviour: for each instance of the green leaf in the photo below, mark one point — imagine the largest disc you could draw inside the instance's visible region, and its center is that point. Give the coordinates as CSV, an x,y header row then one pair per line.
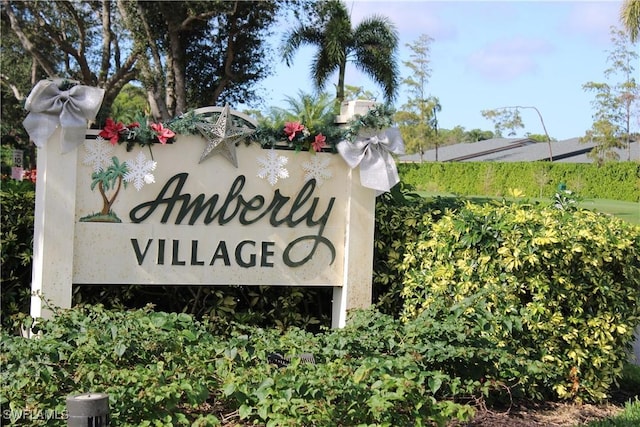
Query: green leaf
x,y
244,411
434,384
189,335
229,388
360,374
120,348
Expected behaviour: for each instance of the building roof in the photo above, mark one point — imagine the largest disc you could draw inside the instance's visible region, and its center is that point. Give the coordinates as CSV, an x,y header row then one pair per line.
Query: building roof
x,y
517,150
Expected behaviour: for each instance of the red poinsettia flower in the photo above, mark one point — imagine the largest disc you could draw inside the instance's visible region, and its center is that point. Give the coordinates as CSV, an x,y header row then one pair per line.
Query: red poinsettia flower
x,y
30,174
133,125
111,131
163,133
319,143
292,128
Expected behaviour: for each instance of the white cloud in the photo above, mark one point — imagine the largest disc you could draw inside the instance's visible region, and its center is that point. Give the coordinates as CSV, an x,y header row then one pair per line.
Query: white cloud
x,y
592,20
413,17
505,60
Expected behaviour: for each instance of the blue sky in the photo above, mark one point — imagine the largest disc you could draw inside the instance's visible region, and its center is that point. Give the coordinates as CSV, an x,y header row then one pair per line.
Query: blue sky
x,y
487,55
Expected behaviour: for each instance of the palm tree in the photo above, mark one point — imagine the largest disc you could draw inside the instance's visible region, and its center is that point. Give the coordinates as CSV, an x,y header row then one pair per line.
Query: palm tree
x,y
372,46
316,112
107,179
630,17
312,110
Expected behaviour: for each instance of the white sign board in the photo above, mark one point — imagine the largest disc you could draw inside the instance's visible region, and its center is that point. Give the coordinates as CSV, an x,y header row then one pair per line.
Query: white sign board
x,y
212,224
281,218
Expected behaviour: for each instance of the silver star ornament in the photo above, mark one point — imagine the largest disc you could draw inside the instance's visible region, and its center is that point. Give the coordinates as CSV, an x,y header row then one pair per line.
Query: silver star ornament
x,y
222,137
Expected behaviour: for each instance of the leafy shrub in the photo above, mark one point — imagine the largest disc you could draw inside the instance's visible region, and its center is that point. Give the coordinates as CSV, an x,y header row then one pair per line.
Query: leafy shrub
x,y
355,381
257,305
168,369
152,365
614,180
17,199
558,286
399,221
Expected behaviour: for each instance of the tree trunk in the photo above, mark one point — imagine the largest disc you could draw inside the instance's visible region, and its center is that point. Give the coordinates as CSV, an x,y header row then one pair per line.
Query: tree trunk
x,y
228,76
151,71
105,201
106,40
113,199
175,85
340,88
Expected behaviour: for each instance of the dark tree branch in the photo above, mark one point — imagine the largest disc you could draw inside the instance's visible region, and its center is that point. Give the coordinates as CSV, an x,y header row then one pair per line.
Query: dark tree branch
x,y
42,60
16,92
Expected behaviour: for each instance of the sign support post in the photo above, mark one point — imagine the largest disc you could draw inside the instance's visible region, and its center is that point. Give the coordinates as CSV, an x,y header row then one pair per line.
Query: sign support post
x,y
54,225
356,290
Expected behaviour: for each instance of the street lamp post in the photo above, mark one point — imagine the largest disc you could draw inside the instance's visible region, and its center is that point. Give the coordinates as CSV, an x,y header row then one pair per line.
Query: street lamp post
x,y
518,107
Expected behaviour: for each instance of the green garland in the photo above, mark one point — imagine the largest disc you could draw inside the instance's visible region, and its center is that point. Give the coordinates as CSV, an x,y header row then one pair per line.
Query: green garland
x,y
143,133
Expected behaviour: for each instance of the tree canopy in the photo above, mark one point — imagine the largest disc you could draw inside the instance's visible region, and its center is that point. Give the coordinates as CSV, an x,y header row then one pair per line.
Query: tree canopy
x,y
617,100
80,41
418,118
186,54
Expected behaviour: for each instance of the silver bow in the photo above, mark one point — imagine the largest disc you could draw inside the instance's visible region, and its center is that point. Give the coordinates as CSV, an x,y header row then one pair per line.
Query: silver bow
x,y
373,154
50,107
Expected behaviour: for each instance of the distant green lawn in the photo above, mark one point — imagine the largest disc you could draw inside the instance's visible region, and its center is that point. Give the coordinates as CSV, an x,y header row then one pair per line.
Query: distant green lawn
x,y
628,211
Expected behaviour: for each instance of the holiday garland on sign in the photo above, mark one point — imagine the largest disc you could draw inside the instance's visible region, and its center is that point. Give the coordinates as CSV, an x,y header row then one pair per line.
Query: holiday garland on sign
x,y
294,134
367,141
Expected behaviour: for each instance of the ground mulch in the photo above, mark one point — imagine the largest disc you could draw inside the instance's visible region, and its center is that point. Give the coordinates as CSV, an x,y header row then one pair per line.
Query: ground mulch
x,y
544,415
549,414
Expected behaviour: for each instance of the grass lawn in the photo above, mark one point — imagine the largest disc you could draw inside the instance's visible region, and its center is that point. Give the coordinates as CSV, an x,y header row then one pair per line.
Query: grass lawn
x,y
628,211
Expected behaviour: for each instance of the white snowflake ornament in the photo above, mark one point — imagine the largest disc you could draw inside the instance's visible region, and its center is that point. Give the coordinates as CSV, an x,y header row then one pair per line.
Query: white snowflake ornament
x,y
139,171
99,154
272,167
317,168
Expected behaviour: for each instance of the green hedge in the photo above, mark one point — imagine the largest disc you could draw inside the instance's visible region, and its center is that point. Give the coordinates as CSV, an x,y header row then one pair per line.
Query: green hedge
x,y
614,181
558,285
17,199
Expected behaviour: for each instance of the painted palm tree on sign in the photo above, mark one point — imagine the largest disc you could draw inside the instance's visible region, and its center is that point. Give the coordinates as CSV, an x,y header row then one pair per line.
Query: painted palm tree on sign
x,y
106,180
372,46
